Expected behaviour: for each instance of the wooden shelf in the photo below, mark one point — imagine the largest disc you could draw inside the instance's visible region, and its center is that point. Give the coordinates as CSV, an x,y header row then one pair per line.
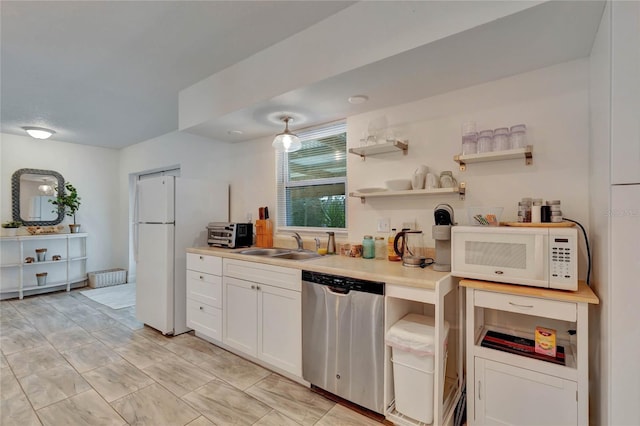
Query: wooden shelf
x,y
510,154
381,148
460,189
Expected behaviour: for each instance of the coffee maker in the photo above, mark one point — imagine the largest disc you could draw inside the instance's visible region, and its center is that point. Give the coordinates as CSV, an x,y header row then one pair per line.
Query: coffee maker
x,y
441,232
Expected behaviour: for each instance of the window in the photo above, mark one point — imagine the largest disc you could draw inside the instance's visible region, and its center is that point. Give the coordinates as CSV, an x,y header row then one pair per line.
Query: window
x,y
312,181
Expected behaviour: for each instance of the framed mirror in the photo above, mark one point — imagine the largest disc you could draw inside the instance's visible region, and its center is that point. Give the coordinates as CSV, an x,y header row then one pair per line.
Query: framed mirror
x,y
31,190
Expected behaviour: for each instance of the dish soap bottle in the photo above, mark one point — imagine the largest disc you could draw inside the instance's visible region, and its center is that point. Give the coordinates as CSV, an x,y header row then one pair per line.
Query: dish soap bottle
x,y
391,252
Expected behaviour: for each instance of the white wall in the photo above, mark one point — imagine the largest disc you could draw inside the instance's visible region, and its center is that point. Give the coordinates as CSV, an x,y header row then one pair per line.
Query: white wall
x,y
92,170
196,156
599,202
552,102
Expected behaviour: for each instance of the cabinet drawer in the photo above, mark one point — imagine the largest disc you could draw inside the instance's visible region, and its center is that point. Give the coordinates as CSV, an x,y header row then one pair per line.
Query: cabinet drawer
x,y
276,276
205,288
204,263
566,311
204,319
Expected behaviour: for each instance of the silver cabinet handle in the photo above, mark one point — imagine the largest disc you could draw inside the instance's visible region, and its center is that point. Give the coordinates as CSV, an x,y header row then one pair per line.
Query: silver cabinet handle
x,y
258,287
520,306
479,387
201,258
201,308
253,287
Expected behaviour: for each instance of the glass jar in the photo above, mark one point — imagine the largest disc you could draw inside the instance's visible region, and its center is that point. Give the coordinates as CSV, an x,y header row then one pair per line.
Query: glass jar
x,y
470,144
518,138
485,141
368,247
501,139
447,180
380,248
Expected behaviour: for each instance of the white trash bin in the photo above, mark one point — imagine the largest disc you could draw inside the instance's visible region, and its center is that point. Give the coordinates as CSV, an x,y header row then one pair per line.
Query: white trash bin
x,y
412,341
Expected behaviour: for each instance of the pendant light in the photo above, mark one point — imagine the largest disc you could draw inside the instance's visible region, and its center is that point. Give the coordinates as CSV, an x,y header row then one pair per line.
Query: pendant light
x,y
286,141
38,132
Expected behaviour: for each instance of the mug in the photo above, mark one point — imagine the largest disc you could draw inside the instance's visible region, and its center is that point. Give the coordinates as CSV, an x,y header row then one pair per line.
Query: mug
x,y
432,181
417,181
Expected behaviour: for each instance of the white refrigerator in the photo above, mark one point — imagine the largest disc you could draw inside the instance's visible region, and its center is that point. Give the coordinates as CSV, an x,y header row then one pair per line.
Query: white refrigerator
x,y
171,215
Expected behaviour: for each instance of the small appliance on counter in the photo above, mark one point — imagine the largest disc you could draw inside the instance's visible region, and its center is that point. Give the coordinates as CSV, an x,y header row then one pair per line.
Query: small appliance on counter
x,y
230,234
441,232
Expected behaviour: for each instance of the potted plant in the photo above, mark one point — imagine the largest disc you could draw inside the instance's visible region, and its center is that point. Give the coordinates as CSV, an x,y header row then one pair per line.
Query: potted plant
x,y
10,228
68,201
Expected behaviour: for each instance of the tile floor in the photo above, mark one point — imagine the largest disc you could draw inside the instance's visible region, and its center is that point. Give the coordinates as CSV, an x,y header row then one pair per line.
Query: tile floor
x,y
67,360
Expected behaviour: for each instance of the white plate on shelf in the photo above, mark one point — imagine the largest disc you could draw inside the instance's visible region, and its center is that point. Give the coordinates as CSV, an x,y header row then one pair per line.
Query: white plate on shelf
x,y
370,190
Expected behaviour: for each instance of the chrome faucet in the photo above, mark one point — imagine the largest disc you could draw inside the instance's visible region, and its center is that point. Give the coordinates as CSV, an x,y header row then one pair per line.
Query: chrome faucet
x,y
298,240
317,243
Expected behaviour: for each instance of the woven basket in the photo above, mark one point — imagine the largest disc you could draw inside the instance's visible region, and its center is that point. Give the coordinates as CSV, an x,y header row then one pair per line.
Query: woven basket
x,y
107,278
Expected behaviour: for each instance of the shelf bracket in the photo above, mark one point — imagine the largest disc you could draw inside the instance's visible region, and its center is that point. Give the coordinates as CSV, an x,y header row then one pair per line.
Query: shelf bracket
x,y
462,189
528,157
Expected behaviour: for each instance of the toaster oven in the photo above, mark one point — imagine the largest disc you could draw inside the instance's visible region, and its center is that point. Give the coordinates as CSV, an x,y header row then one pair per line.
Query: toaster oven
x,y
230,234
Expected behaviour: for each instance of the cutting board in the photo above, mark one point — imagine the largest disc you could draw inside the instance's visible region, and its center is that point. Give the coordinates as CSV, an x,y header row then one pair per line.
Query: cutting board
x,y
539,225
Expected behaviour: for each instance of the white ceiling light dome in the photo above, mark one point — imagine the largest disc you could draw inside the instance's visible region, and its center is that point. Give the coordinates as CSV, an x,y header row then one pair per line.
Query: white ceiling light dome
x,y
39,132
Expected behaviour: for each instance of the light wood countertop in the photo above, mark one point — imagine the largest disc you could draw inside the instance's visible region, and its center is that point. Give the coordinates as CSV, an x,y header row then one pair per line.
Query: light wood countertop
x,y
584,294
366,269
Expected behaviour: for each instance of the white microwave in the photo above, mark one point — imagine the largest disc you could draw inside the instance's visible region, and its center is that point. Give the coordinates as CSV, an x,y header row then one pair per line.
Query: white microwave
x,y
539,257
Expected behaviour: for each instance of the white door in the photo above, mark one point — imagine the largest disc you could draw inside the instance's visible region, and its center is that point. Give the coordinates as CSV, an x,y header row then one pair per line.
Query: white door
x,y
240,315
154,282
508,395
155,199
280,328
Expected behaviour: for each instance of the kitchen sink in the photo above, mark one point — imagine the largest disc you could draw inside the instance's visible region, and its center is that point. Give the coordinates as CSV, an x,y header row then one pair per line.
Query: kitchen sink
x,y
265,251
281,253
298,255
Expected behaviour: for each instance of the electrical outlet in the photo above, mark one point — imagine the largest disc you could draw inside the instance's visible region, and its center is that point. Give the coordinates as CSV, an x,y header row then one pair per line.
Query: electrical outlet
x,y
409,225
384,224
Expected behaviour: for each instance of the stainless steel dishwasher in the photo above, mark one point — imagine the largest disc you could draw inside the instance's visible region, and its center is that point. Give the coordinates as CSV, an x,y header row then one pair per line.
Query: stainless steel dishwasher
x,y
343,337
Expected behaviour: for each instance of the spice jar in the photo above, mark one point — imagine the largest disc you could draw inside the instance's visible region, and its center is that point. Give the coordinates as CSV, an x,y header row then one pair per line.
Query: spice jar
x,y
368,247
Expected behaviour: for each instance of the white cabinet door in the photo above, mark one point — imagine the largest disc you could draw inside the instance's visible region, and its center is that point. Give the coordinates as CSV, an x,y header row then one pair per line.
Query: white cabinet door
x,y
625,92
280,328
240,315
508,395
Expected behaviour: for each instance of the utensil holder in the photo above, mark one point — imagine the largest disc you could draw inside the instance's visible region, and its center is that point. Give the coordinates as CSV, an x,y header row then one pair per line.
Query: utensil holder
x,y
41,278
264,233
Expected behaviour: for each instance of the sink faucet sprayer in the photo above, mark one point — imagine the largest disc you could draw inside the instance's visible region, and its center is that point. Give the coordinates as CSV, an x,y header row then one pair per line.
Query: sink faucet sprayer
x,y
298,240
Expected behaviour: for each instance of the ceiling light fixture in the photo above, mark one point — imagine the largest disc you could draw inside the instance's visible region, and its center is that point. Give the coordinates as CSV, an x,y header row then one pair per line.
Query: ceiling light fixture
x,y
38,132
286,141
358,99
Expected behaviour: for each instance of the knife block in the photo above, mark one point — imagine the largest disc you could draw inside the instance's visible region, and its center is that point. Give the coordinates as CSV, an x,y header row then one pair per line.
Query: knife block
x,y
264,233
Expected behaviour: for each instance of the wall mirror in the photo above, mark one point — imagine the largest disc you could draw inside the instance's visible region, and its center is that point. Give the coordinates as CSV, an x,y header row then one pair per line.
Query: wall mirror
x,y
31,190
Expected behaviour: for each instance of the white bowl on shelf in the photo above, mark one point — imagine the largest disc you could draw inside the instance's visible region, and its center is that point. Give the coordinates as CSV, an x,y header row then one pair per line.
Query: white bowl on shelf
x,y
398,184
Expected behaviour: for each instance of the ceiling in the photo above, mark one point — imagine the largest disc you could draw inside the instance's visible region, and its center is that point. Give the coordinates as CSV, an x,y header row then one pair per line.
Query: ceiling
x,y
109,73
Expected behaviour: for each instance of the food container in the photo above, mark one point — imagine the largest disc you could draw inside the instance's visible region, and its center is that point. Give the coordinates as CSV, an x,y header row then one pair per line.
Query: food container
x,y
485,141
356,250
501,139
517,137
470,144
484,216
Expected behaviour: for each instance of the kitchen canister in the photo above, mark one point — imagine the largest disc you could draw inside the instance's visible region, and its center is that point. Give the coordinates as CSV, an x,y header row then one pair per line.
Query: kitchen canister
x,y
380,248
485,141
517,136
501,139
368,247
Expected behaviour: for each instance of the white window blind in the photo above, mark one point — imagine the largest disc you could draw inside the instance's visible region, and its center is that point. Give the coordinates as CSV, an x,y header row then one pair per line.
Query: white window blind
x,y
312,181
